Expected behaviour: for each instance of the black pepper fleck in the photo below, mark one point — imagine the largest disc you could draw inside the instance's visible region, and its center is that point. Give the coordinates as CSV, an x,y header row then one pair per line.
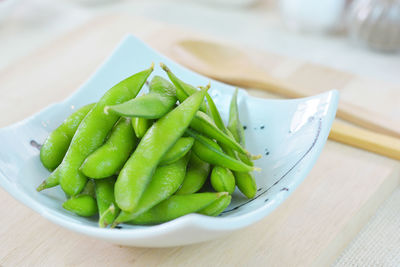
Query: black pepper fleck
x,y
35,144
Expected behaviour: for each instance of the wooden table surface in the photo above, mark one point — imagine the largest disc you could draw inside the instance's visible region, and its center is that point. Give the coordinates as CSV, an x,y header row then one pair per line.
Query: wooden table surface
x,y
311,228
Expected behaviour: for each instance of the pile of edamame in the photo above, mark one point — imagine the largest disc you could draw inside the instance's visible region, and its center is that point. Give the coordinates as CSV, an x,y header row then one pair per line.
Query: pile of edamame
x,y
147,159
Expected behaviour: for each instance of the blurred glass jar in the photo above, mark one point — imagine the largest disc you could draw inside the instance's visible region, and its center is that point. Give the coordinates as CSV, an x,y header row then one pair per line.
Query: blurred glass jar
x,y
375,23
312,15
228,3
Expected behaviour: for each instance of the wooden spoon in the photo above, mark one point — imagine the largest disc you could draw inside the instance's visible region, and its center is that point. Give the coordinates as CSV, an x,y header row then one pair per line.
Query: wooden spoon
x,y
245,69
236,67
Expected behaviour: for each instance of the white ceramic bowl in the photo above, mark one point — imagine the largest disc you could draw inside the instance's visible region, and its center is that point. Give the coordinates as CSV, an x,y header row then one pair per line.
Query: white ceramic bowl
x,y
289,134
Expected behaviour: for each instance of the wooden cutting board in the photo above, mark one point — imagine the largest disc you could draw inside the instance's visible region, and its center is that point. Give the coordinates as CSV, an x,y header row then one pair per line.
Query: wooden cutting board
x,y
311,228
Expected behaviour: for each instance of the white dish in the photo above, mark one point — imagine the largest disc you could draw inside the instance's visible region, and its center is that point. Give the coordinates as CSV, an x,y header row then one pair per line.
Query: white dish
x,y
290,135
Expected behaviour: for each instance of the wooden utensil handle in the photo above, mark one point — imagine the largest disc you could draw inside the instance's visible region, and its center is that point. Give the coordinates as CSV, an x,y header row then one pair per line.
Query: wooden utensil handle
x,y
346,111
358,137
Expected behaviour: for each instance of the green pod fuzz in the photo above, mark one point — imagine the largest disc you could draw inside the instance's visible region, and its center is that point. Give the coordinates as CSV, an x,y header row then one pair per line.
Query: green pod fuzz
x,y
82,205
56,145
140,126
203,124
222,180
108,210
162,135
183,90
158,102
209,151
178,150
93,130
217,207
175,207
196,175
112,155
165,181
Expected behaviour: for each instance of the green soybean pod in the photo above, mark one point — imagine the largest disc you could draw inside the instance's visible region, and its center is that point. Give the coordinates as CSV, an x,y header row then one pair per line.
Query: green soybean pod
x,y
108,210
209,151
244,180
82,205
183,90
93,130
217,207
203,124
196,175
176,206
236,128
222,180
138,170
56,145
51,181
158,102
165,181
112,155
178,150
246,158
140,126
89,189
246,183
234,125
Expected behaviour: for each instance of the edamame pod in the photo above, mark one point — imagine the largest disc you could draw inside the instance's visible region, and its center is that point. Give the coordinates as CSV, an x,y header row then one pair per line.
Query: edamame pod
x,y
220,124
108,210
209,151
140,126
204,125
236,128
222,180
215,114
196,175
178,150
89,189
93,130
165,181
82,205
183,90
138,170
51,181
111,157
177,206
56,145
158,102
244,181
217,207
234,125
